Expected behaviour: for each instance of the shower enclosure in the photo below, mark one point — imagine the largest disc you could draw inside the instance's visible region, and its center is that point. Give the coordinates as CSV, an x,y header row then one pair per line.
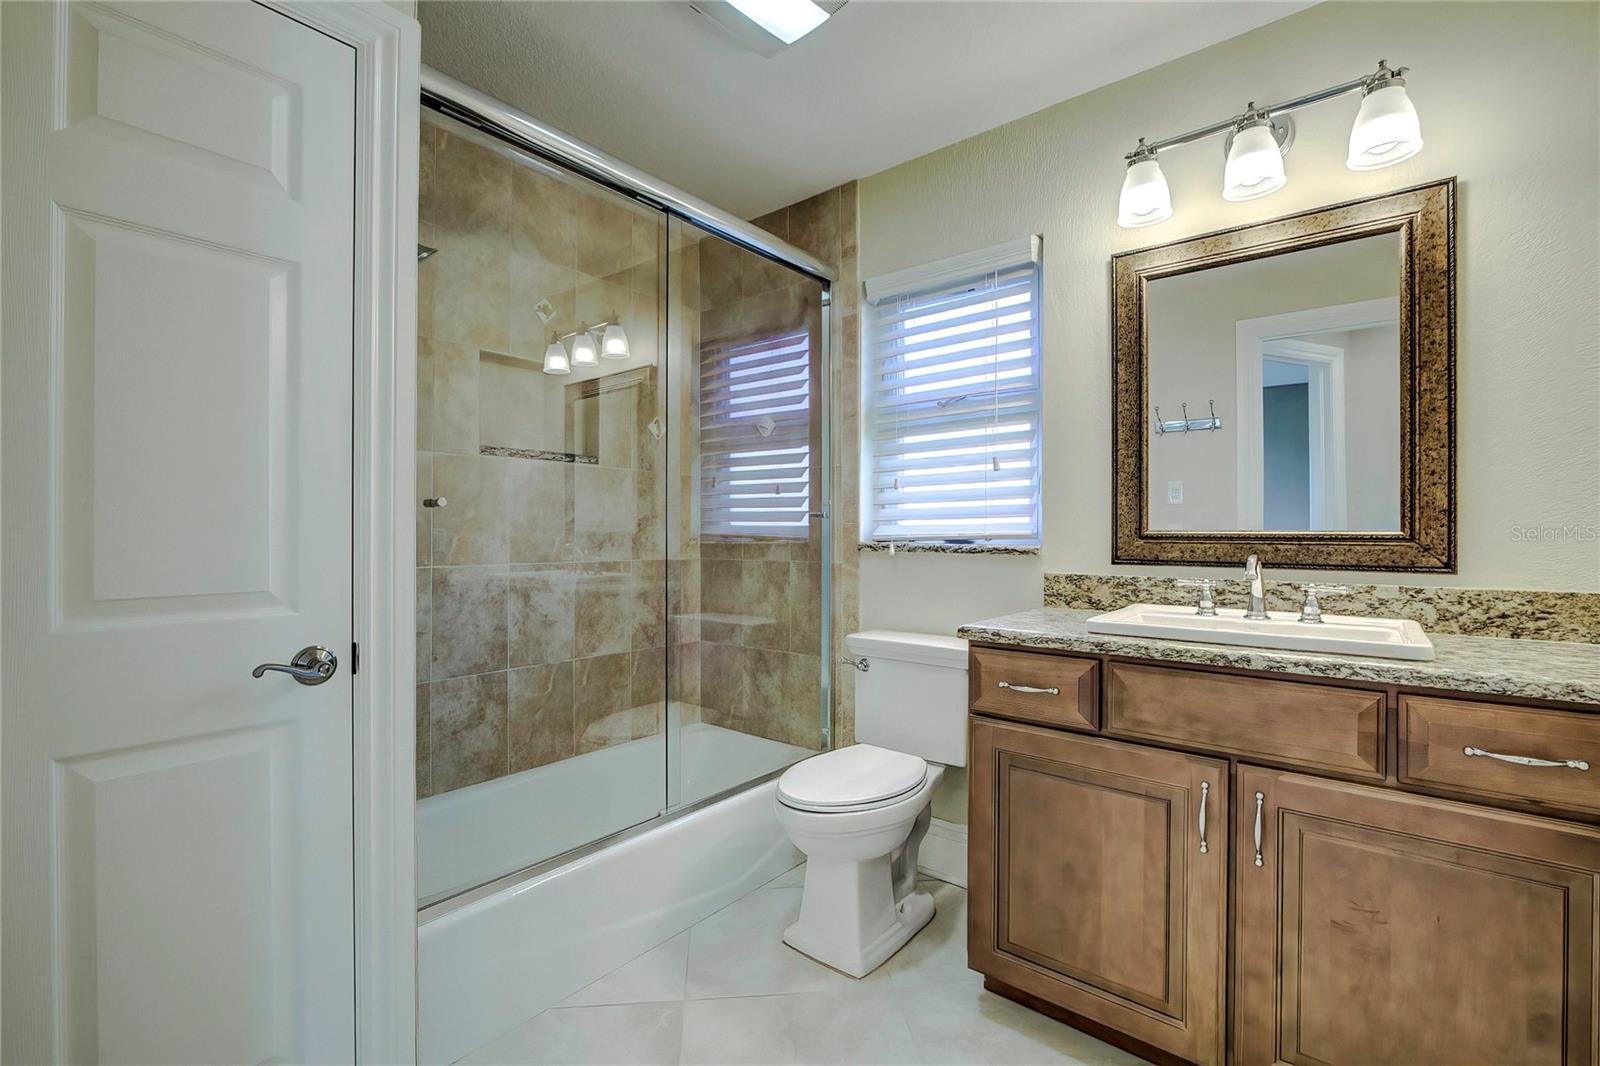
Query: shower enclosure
x,y
620,533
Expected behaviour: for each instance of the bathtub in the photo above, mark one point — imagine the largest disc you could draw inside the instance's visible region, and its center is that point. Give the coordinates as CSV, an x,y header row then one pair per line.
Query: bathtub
x,y
488,966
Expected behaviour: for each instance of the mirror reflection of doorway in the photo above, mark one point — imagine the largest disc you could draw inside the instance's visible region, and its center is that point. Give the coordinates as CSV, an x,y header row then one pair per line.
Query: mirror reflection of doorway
x,y
1285,445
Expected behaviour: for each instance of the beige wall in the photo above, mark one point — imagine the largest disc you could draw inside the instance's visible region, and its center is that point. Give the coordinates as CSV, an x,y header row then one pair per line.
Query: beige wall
x,y
1529,390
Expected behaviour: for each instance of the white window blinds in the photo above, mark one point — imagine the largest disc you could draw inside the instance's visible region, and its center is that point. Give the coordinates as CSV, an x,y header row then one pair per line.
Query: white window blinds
x,y
755,436
953,405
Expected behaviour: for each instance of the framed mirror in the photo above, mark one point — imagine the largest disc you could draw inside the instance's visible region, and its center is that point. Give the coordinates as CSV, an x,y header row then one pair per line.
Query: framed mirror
x,y
1288,389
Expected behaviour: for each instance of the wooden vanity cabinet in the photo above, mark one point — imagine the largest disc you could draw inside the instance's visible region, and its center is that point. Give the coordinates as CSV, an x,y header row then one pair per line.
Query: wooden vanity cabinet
x,y
1358,923
1098,882
1376,927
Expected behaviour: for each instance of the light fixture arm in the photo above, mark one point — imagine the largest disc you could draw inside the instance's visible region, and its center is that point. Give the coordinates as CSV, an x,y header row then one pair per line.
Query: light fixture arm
x,y
1367,83
598,327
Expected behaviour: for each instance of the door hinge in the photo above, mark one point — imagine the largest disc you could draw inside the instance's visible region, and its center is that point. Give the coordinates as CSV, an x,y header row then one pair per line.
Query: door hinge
x,y
355,659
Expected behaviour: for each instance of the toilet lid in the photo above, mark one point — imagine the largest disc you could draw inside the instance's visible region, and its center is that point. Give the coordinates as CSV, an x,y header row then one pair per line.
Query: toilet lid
x,y
851,777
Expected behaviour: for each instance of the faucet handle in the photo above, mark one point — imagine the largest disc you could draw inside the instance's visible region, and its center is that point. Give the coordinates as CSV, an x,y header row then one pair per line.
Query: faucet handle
x,y
1207,606
1311,610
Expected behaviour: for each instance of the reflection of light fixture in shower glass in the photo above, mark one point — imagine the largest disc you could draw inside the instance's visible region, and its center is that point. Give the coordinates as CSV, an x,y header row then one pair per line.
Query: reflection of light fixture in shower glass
x,y
583,351
555,359
614,344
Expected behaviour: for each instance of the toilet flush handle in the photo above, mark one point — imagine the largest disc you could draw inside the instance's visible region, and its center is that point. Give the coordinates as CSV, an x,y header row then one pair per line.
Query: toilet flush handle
x,y
861,664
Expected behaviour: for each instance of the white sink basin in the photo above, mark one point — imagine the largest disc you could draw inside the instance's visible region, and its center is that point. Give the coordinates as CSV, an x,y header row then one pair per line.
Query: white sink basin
x,y
1387,638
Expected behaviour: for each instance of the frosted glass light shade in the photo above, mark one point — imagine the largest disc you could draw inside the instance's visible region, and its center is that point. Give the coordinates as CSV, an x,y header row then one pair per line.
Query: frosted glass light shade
x,y
1386,130
614,344
583,352
555,359
1145,199
1255,165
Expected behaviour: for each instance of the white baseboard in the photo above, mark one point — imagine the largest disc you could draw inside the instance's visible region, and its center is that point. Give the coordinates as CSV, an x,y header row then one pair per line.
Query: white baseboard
x,y
944,852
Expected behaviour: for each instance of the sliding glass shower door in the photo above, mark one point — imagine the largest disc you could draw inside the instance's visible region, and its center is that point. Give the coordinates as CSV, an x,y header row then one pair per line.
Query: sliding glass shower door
x,y
746,553
620,554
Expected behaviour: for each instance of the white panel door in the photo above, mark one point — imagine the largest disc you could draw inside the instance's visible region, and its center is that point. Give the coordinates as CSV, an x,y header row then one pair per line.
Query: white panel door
x,y
177,408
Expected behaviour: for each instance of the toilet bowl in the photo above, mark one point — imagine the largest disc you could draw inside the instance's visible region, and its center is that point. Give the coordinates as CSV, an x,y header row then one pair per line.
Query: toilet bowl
x,y
860,813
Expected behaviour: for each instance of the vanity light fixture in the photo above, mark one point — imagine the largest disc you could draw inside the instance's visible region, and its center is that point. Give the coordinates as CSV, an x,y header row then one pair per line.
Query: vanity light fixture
x,y
1386,131
1255,156
614,342
583,350
1145,198
555,359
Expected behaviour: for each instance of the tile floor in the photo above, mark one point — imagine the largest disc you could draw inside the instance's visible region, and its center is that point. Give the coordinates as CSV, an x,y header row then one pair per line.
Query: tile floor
x,y
729,990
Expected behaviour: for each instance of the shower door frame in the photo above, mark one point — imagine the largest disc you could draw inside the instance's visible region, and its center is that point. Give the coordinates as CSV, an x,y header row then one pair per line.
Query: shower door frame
x,y
461,102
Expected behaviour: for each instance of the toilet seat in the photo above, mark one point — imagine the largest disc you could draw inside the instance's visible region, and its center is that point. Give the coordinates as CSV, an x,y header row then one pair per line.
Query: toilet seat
x,y
862,777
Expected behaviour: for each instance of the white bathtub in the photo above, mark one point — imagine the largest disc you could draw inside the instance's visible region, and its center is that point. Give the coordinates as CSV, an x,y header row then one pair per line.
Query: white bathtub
x,y
490,965
473,835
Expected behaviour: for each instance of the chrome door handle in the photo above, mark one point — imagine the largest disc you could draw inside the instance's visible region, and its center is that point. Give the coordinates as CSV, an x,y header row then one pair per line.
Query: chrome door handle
x,y
310,666
1259,798
1205,791
1029,689
1526,760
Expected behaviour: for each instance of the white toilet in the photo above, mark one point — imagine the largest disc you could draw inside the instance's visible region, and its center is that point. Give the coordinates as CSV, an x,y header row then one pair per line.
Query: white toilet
x,y
860,813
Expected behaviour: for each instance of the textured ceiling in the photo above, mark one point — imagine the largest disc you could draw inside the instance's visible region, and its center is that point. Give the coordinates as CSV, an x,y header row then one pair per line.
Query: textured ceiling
x,y
883,81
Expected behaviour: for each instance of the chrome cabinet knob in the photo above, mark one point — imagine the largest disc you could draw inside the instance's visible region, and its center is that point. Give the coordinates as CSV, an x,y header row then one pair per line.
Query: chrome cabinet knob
x,y
310,666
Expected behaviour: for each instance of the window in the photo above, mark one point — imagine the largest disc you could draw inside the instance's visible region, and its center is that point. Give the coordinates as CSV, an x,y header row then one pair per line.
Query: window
x,y
755,436
952,394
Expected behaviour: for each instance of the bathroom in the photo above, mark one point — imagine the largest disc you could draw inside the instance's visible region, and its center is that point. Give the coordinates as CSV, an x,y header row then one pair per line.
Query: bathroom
x,y
790,531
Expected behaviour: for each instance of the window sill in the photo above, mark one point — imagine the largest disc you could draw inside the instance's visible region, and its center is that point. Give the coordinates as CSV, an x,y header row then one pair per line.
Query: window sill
x,y
879,547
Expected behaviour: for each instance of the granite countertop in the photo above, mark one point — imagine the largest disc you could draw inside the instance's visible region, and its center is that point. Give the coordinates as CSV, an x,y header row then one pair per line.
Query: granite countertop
x,y
1523,669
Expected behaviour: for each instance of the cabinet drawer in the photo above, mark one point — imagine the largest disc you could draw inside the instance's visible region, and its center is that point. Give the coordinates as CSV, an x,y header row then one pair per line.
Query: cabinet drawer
x,y
1436,735
1316,726
1048,689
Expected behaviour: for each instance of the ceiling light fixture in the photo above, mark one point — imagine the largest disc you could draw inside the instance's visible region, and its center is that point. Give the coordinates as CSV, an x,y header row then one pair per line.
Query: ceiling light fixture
x,y
787,20
767,26
1386,131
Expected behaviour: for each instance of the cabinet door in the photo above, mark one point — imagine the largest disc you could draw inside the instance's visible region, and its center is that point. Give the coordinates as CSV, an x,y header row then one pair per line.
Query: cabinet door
x,y
1378,928
1097,876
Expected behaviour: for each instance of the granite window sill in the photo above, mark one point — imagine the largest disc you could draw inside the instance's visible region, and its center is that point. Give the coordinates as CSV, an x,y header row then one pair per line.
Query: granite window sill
x,y
876,547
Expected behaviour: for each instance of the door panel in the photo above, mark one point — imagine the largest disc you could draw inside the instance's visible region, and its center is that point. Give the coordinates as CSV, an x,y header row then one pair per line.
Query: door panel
x,y
1089,888
1388,929
178,389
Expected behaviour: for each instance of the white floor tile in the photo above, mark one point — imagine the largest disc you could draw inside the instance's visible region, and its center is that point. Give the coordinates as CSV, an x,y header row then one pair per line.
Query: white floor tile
x,y
806,1027
657,976
961,1023
634,1033
730,991
739,951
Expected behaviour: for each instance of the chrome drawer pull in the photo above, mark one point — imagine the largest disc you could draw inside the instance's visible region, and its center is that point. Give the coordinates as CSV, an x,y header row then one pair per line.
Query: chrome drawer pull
x,y
1030,690
1259,798
1526,760
1205,791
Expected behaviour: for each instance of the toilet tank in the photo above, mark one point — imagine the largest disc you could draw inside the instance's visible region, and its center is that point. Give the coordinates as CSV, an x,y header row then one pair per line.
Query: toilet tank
x,y
912,695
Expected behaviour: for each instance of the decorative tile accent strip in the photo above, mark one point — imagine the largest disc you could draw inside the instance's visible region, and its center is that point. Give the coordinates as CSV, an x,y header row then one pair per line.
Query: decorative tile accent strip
x,y
534,453
883,547
1527,615
1522,669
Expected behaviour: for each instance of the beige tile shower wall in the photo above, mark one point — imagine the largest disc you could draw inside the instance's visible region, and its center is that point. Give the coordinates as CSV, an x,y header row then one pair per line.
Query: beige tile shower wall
x,y
540,619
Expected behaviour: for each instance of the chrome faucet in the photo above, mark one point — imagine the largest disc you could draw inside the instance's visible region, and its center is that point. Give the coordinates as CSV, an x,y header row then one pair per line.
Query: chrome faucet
x,y
1252,574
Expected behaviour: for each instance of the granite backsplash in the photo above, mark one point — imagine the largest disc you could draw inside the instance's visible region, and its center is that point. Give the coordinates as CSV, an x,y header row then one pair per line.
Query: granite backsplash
x,y
1522,614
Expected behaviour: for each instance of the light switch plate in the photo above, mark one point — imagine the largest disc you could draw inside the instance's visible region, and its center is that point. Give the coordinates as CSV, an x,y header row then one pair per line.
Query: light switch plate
x,y
1174,492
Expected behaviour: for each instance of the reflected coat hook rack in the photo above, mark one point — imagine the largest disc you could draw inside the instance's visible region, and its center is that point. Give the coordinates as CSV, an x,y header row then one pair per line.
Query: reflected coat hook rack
x,y
1185,424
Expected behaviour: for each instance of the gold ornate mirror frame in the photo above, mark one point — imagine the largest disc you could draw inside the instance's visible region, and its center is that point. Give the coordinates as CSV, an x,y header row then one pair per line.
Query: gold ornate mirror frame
x,y
1424,218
